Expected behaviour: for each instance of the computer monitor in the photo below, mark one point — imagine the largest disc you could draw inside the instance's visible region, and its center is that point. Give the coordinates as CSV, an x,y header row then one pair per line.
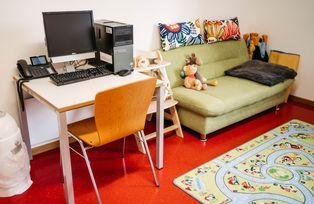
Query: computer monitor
x,y
69,35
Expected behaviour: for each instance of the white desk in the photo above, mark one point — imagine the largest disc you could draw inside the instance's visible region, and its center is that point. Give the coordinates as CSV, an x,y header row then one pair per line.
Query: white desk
x,y
78,95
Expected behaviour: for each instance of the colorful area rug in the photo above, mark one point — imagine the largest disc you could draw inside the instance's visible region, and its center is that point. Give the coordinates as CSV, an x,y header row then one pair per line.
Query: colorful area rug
x,y
276,167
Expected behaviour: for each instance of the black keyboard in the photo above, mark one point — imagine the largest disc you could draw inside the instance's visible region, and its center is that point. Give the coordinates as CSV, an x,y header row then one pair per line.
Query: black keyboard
x,y
79,75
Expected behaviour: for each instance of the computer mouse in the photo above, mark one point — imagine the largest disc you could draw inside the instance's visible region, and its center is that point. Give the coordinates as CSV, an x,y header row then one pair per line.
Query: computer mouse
x,y
124,72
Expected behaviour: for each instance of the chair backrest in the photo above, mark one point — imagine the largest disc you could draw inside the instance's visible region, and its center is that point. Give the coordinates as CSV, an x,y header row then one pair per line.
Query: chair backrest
x,y
122,111
290,60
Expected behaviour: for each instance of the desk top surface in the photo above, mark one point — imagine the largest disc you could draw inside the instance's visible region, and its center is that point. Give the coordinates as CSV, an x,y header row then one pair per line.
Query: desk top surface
x,y
80,94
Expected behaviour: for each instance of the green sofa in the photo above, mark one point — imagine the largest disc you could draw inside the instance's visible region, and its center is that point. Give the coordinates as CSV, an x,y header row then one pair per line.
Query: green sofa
x,y
232,100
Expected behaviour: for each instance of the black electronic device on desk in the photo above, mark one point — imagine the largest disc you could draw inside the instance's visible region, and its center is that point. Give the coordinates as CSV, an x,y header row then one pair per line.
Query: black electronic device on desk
x,y
38,69
124,72
114,44
79,75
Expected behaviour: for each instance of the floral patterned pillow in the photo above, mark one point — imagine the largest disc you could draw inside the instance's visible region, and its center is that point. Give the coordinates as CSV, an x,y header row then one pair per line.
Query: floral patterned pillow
x,y
220,30
180,34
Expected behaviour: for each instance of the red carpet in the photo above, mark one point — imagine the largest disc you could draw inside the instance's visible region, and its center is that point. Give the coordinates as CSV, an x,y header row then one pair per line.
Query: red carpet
x,y
134,184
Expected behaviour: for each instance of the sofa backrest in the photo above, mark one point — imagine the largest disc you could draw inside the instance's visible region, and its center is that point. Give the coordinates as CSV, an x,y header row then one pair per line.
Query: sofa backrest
x,y
216,58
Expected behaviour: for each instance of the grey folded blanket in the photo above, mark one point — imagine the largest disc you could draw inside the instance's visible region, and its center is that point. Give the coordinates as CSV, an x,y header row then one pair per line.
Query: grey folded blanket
x,y
262,72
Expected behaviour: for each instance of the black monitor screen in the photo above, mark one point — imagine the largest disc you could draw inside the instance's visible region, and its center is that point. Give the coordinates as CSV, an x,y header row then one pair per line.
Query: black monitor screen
x,y
69,32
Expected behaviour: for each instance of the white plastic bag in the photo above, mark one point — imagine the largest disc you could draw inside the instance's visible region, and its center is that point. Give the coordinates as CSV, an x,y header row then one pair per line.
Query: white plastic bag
x,y
14,160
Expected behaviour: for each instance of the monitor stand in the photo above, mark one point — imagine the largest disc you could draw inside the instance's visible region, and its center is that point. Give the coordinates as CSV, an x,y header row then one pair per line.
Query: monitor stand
x,y
69,68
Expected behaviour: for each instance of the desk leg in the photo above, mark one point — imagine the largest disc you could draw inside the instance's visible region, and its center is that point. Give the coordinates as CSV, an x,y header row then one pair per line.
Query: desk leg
x,y
65,158
24,125
160,128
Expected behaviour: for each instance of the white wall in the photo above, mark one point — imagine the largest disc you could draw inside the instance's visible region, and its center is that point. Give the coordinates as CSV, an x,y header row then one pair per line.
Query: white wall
x,y
287,22
291,28
22,32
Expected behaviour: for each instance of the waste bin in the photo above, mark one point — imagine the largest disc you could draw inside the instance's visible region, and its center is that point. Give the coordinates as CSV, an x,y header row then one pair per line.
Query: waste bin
x,y
14,160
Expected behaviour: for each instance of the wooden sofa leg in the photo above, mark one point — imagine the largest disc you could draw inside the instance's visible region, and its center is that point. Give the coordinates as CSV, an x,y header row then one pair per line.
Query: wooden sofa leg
x,y
288,93
203,138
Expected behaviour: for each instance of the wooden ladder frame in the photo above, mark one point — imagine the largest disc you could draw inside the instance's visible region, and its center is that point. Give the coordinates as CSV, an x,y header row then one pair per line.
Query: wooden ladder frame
x,y
159,71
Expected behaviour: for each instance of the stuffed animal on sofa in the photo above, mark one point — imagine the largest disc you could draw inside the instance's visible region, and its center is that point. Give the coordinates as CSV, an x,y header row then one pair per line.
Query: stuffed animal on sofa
x,y
257,46
190,80
192,60
189,72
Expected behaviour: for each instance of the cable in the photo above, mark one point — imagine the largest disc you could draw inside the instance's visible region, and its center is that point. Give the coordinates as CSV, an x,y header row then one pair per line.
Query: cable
x,y
80,63
19,84
19,88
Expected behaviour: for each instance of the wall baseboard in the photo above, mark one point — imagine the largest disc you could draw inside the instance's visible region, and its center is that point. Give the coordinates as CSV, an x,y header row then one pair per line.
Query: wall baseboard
x,y
45,147
48,147
301,100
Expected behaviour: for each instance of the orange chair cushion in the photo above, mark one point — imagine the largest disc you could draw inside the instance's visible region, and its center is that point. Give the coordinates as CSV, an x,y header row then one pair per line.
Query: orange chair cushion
x,y
86,131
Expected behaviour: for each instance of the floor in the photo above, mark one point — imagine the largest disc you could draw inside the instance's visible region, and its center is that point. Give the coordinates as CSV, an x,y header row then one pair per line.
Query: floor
x,y
130,180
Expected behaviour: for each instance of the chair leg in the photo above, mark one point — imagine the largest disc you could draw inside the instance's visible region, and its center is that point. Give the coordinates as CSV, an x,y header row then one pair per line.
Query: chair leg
x,y
143,138
139,144
90,171
123,148
149,117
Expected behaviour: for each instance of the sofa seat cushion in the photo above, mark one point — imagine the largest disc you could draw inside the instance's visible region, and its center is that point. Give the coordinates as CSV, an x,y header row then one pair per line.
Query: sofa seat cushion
x,y
230,94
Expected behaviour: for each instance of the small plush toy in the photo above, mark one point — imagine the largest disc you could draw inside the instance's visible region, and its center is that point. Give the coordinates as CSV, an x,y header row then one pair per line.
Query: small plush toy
x,y
256,46
146,59
190,80
192,60
195,61
141,61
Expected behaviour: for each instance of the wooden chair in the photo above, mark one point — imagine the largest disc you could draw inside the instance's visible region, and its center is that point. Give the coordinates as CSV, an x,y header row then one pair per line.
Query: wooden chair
x,y
119,112
290,60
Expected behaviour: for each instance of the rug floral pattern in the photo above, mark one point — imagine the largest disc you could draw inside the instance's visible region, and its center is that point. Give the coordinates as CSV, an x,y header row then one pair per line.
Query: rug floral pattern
x,y
276,167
